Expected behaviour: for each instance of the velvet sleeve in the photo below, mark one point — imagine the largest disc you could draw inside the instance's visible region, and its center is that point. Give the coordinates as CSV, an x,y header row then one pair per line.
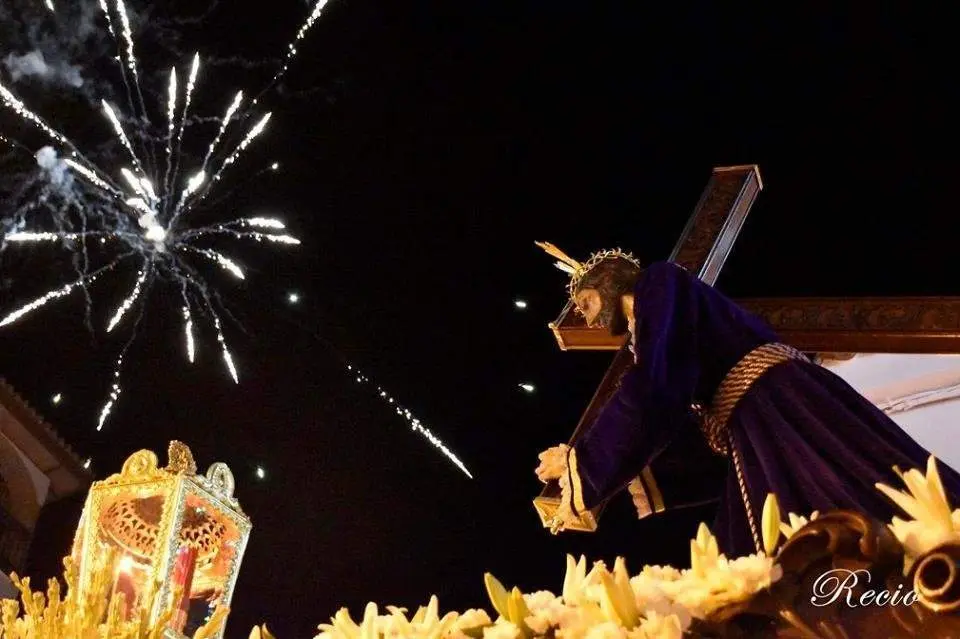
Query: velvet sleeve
x,y
653,402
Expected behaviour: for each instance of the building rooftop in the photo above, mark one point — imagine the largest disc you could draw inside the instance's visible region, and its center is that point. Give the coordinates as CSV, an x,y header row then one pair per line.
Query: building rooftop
x,y
38,440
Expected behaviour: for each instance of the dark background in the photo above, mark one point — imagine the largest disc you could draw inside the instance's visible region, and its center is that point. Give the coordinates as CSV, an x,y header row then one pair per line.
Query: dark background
x,y
424,147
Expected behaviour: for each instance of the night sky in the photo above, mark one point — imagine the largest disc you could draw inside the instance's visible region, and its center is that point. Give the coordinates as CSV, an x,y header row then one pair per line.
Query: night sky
x,y
424,148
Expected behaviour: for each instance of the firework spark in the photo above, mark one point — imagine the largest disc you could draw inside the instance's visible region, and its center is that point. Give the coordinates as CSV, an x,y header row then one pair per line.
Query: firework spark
x,y
292,47
140,215
106,12
415,424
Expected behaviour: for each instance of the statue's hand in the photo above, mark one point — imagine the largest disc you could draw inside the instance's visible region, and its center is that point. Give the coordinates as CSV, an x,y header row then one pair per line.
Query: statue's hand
x,y
553,463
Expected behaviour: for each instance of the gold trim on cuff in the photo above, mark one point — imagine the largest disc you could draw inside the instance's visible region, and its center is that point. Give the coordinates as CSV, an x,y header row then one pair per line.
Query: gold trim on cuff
x,y
653,490
576,483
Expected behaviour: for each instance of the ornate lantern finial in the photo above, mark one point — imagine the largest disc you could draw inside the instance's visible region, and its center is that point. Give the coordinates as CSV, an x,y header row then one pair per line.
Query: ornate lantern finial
x,y
180,459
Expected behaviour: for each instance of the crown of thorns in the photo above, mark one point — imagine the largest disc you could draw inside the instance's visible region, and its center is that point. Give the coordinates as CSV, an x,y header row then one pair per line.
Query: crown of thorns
x,y
578,270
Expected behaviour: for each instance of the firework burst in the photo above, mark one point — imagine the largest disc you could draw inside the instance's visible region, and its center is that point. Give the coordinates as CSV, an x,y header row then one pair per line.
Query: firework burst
x,y
139,213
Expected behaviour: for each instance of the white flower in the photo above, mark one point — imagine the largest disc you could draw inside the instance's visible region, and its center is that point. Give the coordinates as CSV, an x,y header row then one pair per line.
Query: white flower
x,y
726,582
540,599
607,630
343,627
425,624
926,502
546,611
755,571
618,600
659,627
576,621
574,580
652,598
796,523
472,618
502,629
660,573
592,585
704,551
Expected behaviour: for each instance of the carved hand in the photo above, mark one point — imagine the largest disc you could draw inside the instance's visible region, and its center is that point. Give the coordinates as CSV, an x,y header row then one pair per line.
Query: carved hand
x,y
553,463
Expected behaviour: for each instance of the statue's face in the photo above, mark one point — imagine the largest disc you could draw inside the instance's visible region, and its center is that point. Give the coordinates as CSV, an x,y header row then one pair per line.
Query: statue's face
x,y
589,304
602,311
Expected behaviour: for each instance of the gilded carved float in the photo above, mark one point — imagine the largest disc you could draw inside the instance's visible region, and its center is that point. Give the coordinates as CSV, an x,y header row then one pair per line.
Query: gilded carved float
x,y
848,547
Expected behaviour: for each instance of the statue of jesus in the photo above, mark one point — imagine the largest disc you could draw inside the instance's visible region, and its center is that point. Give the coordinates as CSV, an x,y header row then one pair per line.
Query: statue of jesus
x,y
708,372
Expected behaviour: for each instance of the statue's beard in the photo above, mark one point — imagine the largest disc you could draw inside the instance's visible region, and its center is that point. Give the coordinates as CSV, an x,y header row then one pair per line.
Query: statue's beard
x,y
613,318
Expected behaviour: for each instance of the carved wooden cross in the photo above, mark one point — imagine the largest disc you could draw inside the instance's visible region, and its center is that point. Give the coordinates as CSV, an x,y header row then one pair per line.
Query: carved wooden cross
x,y
703,248
814,325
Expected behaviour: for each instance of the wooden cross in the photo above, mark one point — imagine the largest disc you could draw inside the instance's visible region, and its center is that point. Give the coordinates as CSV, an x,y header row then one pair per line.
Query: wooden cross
x,y
703,248
819,326
824,325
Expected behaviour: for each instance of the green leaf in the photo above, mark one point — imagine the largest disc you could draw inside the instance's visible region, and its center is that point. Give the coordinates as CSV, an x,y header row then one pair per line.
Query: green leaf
x,y
518,610
770,524
518,607
498,595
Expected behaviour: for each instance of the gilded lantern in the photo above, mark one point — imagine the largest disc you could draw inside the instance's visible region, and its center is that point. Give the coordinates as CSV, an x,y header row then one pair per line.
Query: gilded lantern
x,y
176,537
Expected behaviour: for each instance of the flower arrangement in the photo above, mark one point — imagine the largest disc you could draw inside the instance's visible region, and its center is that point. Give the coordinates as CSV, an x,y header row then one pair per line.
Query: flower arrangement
x,y
660,602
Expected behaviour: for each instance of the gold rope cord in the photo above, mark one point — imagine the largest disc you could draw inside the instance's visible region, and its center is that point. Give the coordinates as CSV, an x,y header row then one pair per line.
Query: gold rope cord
x,y
738,466
734,386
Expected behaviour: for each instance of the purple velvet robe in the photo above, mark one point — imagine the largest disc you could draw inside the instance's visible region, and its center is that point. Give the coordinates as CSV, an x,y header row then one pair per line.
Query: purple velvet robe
x,y
802,432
